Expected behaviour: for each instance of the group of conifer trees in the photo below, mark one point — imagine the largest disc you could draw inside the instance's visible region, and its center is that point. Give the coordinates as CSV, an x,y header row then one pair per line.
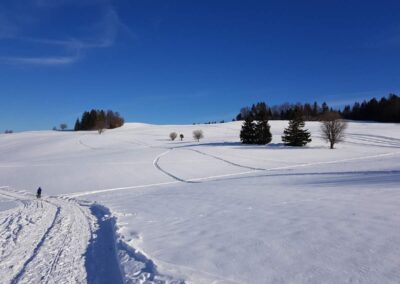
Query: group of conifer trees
x,y
384,110
98,120
258,131
387,109
284,111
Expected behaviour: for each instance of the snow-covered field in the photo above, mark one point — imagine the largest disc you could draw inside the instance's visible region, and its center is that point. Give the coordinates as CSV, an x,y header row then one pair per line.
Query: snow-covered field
x,y
209,212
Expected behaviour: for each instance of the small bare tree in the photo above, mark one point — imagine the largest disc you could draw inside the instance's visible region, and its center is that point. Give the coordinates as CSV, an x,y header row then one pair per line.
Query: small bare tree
x,y
100,126
198,134
173,135
181,136
63,126
332,128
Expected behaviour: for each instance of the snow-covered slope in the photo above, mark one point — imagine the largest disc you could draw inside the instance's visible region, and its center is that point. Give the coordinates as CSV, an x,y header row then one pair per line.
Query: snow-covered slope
x,y
207,212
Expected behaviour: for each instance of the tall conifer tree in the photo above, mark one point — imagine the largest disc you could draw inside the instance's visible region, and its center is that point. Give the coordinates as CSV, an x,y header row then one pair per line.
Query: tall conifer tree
x,y
248,132
294,134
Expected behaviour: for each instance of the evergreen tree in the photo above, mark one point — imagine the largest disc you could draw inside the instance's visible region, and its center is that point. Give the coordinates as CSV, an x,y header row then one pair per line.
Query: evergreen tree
x,y
84,121
248,132
294,134
315,109
77,125
325,107
262,132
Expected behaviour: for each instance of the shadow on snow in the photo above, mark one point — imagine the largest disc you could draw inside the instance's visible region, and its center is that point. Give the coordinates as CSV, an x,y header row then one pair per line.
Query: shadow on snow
x,y
105,253
101,259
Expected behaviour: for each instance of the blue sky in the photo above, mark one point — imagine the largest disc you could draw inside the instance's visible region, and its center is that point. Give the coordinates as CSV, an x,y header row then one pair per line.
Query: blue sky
x,y
189,61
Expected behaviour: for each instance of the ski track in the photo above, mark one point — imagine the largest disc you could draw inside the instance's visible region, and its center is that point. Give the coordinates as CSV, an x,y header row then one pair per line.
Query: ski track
x,y
224,160
251,174
44,240
62,240
157,166
87,146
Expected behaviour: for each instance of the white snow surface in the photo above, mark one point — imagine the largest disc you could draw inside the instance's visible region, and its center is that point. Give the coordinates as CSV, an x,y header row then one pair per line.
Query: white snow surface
x,y
131,206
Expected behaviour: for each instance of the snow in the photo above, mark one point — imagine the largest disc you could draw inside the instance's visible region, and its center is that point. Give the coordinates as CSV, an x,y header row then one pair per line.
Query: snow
x,y
213,211
6,204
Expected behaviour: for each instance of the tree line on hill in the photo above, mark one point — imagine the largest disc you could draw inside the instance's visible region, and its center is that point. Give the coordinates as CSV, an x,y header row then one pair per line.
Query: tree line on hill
x,y
99,120
384,110
387,109
284,111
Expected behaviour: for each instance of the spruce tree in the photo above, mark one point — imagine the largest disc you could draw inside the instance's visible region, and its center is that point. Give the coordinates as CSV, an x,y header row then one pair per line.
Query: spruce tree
x,y
77,125
248,132
294,134
262,132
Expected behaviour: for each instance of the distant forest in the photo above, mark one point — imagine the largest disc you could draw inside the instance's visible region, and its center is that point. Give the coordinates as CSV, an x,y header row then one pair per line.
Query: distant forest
x,y
98,120
387,109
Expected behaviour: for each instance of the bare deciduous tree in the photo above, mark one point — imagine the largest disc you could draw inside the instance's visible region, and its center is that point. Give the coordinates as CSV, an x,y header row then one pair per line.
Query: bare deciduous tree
x,y
173,135
198,134
332,128
63,126
100,126
181,136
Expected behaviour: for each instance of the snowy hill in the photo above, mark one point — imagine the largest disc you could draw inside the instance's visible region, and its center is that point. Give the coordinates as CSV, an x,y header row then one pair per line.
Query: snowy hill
x,y
213,211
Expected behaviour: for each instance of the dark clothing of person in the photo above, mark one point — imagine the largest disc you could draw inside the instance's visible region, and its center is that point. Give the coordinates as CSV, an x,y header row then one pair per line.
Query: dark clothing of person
x,y
39,193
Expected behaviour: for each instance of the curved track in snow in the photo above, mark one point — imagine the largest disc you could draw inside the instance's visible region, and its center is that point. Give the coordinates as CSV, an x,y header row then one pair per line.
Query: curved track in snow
x,y
225,160
158,167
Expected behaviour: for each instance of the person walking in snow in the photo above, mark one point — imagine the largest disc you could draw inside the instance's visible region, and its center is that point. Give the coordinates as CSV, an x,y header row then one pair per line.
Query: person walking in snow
x,y
39,192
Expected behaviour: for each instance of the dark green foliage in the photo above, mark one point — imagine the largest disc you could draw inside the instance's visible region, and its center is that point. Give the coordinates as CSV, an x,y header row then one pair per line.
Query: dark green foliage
x,y
256,132
387,109
294,134
248,132
262,132
325,107
384,110
99,119
260,111
77,125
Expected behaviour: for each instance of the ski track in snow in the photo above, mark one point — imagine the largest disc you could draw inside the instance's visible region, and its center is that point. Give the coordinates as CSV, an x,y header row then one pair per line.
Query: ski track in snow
x,y
252,171
59,240
156,164
225,161
62,240
43,241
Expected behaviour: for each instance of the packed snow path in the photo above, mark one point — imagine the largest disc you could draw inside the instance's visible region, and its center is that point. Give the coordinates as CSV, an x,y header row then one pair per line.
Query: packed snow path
x,y
59,240
43,241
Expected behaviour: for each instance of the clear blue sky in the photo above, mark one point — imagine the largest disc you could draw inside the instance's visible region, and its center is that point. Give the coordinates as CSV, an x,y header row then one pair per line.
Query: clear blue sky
x,y
189,61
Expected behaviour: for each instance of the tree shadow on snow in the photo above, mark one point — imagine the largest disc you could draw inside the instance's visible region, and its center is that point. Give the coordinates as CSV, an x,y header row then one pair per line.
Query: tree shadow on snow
x,y
239,145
